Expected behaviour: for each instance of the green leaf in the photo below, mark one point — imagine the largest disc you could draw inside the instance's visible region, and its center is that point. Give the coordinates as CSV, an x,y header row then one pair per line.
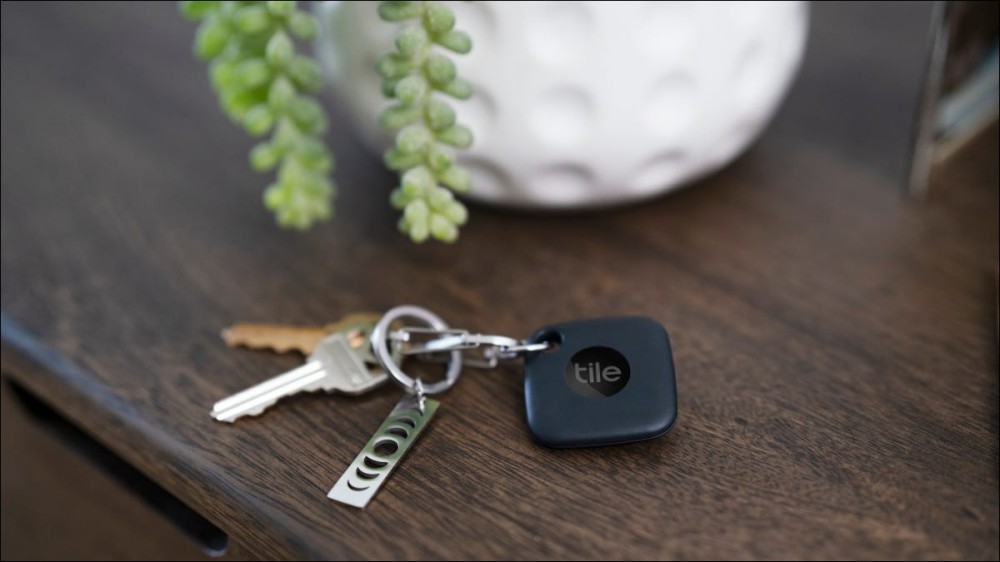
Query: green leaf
x,y
439,158
258,120
438,198
438,18
197,10
398,11
303,25
417,181
252,73
439,114
223,73
389,87
456,41
286,135
264,157
398,160
398,199
411,89
442,228
299,200
419,232
279,50
211,39
237,102
305,73
456,212
457,88
456,178
313,155
458,136
398,116
413,138
416,212
276,196
440,70
252,19
281,7
280,94
393,66
307,114
411,41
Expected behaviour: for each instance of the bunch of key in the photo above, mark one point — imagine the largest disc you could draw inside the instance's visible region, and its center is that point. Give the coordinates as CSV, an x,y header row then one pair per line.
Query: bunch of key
x,y
339,359
588,383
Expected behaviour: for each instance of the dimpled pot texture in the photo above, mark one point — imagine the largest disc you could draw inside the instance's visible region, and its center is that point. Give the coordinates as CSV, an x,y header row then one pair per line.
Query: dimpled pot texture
x,y
590,104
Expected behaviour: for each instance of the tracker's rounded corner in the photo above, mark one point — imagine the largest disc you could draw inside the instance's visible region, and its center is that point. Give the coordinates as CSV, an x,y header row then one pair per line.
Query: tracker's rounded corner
x,y
667,424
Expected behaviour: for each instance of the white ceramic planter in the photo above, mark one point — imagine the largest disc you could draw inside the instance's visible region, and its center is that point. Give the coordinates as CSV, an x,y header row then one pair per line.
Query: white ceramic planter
x,y
585,104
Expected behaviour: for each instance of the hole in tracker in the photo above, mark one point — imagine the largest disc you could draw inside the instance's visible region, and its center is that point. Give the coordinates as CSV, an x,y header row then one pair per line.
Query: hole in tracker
x,y
365,475
551,337
386,447
374,464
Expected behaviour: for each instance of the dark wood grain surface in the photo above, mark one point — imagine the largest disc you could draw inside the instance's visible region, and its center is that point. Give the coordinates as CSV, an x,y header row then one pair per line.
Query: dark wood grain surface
x,y
835,344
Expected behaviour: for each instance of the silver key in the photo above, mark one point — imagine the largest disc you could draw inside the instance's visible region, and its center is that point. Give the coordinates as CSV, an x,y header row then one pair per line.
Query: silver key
x,y
333,366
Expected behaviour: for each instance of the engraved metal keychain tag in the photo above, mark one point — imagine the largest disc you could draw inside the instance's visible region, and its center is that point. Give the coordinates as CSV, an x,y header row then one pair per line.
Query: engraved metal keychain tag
x,y
396,435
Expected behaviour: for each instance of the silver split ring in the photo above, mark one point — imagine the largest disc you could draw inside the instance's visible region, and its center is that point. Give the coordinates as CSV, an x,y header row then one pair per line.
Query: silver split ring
x,y
380,348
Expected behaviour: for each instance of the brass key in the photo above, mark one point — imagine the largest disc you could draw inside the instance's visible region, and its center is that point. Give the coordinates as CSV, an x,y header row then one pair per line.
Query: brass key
x,y
283,338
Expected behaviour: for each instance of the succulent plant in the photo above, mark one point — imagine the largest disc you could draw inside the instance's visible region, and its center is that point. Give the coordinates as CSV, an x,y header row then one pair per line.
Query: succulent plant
x,y
263,83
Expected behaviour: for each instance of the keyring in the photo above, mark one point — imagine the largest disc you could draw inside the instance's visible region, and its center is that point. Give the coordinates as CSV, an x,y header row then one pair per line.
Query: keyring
x,y
429,344
380,348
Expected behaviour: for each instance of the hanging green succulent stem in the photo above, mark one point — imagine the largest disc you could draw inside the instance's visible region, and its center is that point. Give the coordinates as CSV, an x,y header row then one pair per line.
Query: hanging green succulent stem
x,y
263,84
415,76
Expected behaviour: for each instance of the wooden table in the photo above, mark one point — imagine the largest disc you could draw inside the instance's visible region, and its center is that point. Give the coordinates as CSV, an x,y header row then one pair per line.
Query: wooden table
x,y
835,344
